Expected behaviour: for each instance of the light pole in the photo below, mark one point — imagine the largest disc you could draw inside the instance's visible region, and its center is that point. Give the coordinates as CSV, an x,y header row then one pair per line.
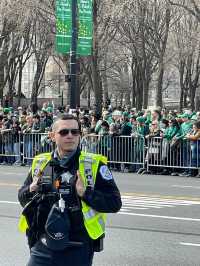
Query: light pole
x,y
73,60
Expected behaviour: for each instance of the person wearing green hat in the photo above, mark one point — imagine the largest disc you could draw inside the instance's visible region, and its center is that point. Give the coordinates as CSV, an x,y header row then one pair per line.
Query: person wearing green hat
x,y
185,128
126,127
194,117
125,114
6,110
139,131
142,128
124,142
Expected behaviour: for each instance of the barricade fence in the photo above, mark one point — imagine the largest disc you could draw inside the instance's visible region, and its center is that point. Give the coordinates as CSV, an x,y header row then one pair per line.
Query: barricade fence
x,y
122,151
21,148
180,153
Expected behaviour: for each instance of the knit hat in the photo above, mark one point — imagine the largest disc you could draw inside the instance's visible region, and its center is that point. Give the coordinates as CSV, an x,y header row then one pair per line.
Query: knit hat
x,y
140,119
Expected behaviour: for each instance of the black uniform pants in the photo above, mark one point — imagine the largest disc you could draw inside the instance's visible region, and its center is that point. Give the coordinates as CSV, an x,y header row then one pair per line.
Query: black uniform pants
x,y
40,255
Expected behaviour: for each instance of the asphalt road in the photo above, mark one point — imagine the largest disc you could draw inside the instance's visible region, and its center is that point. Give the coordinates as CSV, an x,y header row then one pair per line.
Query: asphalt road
x,y
157,225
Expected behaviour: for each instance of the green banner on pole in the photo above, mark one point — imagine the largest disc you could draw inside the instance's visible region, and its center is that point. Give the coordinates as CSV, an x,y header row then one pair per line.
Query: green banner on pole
x,y
63,26
85,27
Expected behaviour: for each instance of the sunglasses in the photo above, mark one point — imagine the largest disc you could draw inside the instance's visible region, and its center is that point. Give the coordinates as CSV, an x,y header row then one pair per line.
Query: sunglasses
x,y
65,131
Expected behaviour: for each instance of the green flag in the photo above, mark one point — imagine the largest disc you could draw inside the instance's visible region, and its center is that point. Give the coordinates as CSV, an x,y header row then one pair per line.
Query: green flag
x,y
85,27
63,26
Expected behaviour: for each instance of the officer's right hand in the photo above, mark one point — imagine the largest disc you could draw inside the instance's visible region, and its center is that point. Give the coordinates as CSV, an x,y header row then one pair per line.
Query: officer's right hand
x,y
34,185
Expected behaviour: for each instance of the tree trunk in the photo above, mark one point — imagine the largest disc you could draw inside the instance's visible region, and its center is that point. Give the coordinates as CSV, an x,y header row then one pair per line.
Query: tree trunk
x,y
104,80
36,84
139,87
127,98
1,79
133,93
19,90
121,99
159,102
88,97
163,44
146,87
181,74
105,87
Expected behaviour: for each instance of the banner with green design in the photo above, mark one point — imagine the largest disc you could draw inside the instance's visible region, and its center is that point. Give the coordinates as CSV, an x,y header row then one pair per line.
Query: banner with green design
x,y
85,27
63,26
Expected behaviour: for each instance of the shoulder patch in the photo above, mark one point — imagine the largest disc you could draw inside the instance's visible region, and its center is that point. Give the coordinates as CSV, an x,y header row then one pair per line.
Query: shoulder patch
x,y
36,171
105,172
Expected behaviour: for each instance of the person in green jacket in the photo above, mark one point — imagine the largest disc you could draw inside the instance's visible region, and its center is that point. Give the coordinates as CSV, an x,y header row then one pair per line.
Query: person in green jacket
x,y
185,128
171,130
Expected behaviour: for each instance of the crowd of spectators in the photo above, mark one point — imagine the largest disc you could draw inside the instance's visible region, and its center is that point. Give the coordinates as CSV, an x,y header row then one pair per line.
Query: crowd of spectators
x,y
173,127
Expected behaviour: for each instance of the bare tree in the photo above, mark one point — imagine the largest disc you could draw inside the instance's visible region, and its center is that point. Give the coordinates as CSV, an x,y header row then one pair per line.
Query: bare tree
x,y
187,45
191,6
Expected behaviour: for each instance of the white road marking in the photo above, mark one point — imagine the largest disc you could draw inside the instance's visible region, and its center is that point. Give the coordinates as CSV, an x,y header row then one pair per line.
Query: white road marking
x,y
161,217
135,208
9,184
131,202
12,173
189,244
180,186
9,202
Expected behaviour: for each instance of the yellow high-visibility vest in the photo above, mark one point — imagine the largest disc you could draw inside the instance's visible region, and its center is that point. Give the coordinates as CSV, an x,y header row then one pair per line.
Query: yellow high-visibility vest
x,y
88,165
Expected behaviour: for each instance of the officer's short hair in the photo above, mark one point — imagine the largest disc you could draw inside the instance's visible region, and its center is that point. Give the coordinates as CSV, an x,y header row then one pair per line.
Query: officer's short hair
x,y
65,117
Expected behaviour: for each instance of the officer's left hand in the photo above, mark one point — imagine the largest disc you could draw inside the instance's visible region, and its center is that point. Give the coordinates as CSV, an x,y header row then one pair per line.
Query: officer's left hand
x,y
80,185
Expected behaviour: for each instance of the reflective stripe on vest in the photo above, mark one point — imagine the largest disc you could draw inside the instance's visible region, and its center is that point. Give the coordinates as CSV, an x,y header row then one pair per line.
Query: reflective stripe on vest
x,y
39,162
38,165
94,221
22,225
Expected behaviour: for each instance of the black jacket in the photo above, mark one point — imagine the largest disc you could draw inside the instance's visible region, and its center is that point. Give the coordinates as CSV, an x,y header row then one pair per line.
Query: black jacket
x,y
105,197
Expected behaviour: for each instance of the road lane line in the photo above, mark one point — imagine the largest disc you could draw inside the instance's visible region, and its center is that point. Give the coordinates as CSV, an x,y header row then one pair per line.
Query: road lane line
x,y
124,209
181,186
9,202
161,217
12,173
10,184
153,199
160,196
189,244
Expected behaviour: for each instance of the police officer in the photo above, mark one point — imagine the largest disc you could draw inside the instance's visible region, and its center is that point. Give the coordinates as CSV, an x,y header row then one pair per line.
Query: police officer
x,y
67,230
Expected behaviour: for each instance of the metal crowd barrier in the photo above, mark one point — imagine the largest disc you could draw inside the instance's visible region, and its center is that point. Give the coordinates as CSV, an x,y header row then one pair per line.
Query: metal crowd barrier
x,y
22,148
182,154
120,150
33,144
9,147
